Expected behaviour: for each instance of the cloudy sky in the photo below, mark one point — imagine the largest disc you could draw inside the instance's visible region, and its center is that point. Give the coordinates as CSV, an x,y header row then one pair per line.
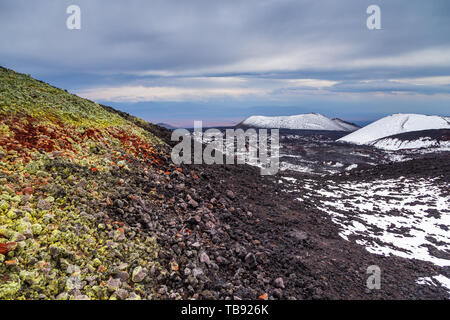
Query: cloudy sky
x,y
223,60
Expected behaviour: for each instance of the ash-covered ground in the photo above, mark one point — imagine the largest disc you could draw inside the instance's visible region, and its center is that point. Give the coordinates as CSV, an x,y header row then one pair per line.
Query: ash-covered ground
x,y
392,205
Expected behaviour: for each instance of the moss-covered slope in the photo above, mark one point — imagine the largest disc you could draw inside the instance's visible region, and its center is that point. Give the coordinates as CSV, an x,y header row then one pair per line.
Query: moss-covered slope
x,y
63,159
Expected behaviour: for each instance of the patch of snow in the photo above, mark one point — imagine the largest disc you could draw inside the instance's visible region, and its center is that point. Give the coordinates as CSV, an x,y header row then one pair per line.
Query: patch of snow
x,y
290,156
432,281
423,142
397,157
404,217
361,154
284,166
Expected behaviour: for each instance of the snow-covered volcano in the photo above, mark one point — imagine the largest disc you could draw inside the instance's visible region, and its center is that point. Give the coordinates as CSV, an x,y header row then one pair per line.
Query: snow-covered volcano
x,y
310,121
396,124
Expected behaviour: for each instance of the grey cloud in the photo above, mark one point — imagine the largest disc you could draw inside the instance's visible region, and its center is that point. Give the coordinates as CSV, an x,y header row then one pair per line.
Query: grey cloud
x,y
388,87
138,35
262,41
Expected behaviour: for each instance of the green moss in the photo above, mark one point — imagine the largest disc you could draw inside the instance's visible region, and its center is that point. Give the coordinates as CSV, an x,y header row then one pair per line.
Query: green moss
x,y
4,205
9,290
36,229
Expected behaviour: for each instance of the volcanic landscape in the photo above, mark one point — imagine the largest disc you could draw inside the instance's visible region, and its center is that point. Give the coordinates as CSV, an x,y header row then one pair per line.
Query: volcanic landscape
x,y
92,207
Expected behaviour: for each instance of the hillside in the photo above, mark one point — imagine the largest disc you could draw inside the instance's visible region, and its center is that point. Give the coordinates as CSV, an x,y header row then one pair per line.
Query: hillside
x,y
63,161
396,124
349,126
433,140
166,125
311,121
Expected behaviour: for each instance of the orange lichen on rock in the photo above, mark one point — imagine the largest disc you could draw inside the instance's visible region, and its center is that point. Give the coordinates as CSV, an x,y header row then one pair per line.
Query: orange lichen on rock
x,y
264,296
10,263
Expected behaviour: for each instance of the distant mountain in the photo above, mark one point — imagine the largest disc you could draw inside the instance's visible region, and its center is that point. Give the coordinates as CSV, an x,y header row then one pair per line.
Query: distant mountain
x,y
396,124
310,121
166,125
350,126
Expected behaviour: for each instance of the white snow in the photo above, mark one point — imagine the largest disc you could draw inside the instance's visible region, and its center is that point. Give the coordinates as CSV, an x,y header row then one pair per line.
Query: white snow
x,y
422,142
393,157
290,179
403,217
310,121
395,124
439,279
346,125
295,167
